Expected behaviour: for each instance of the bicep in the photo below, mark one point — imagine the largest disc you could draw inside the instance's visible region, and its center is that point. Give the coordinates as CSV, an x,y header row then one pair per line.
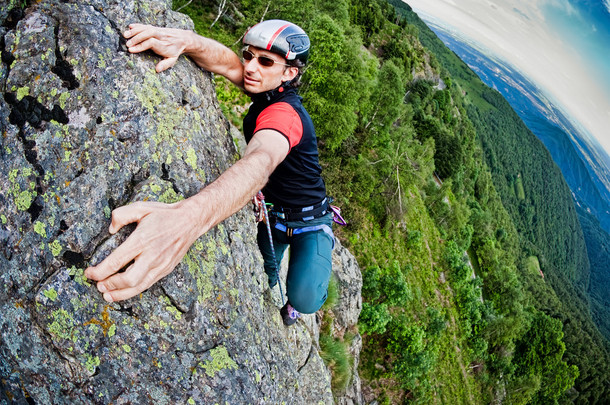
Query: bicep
x,y
235,74
270,144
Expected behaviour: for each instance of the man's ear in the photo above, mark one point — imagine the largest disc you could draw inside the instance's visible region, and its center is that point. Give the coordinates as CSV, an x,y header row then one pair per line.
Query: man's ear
x,y
290,73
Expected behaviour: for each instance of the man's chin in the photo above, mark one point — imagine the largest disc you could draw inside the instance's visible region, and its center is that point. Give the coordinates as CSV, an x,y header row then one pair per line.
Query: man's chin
x,y
252,88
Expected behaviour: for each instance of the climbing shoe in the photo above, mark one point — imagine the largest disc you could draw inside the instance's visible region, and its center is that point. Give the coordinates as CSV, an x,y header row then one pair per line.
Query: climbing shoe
x,y
289,314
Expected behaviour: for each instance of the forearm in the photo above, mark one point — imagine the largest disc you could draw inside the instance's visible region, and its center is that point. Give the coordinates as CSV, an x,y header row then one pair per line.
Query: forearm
x,y
214,57
230,192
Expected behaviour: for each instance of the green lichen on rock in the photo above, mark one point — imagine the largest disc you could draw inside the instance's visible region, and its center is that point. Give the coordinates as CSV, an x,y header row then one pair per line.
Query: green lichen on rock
x,y
24,199
62,325
150,93
40,229
167,126
153,97
169,196
78,275
22,92
55,247
101,63
220,361
191,158
201,265
63,98
155,188
77,304
91,363
50,294
170,307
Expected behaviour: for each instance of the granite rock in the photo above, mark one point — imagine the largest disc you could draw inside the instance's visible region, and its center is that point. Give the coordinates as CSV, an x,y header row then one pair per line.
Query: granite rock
x,y
87,127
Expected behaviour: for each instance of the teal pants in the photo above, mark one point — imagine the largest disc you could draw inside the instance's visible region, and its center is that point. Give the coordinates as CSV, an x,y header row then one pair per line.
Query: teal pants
x,y
310,263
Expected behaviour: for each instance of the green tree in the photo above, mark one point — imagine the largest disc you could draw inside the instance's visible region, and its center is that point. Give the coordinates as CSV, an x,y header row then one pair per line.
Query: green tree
x,y
539,353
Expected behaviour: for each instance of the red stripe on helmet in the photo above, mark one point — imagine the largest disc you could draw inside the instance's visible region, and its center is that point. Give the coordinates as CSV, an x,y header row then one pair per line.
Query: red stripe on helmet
x,y
278,32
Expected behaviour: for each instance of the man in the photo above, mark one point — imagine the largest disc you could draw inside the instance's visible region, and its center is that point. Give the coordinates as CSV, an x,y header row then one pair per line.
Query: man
x,y
281,159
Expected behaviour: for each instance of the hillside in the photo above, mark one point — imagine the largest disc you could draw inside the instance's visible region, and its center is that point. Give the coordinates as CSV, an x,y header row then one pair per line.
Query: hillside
x,y
511,149
599,255
581,166
580,162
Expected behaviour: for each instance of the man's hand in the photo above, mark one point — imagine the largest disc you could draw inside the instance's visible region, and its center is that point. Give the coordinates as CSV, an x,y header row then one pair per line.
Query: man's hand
x,y
169,43
165,232
163,236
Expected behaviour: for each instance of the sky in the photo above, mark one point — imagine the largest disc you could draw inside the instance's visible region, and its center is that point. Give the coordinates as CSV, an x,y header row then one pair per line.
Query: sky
x,y
563,46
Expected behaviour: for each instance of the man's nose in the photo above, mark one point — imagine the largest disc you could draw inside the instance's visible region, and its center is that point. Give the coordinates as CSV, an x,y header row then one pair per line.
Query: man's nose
x,y
251,65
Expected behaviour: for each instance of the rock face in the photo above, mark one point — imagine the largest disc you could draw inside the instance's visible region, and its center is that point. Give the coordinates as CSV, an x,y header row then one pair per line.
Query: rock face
x,y
346,313
87,127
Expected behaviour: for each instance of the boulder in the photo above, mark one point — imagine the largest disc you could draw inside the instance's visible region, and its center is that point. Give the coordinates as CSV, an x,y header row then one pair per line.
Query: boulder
x,y
87,127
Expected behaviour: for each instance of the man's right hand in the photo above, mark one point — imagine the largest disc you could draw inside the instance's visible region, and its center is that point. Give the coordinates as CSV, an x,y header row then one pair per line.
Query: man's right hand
x,y
163,236
169,43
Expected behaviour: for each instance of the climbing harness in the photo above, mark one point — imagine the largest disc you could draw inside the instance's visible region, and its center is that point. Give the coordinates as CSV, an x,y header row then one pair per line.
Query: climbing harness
x,y
263,207
304,213
295,214
310,212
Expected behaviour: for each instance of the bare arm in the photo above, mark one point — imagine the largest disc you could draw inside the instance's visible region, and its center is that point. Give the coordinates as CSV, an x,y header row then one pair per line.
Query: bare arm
x,y
165,232
170,43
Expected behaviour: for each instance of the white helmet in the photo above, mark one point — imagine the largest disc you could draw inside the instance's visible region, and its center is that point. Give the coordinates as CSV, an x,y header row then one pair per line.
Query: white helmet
x,y
281,37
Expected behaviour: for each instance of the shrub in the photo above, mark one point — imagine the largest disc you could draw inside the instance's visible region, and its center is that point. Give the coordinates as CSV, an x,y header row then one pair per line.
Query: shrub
x,y
337,358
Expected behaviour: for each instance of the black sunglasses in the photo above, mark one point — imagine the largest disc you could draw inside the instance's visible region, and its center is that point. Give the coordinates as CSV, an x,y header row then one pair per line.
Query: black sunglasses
x,y
262,60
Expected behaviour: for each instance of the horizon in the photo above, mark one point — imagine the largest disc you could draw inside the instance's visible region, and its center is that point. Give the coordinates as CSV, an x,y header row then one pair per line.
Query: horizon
x,y
536,38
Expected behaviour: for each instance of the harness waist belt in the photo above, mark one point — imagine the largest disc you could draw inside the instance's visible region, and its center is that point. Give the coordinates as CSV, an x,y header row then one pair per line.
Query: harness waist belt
x,y
302,214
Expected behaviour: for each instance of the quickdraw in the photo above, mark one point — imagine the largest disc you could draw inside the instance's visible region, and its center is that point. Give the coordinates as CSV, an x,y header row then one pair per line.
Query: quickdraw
x,y
337,218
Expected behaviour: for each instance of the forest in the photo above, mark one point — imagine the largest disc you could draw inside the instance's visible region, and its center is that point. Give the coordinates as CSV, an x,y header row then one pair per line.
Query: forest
x,y
474,288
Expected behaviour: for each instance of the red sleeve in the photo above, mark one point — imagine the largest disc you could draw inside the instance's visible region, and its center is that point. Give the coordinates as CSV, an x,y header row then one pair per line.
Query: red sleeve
x,y
282,118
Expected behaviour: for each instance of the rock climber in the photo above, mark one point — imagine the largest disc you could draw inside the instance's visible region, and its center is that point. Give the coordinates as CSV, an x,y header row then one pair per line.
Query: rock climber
x,y
281,159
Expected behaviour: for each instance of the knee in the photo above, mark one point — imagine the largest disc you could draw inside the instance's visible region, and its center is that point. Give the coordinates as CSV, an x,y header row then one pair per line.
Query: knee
x,y
307,298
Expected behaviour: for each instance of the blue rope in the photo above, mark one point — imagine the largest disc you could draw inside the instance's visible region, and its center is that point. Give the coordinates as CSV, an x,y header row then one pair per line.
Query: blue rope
x,y
277,267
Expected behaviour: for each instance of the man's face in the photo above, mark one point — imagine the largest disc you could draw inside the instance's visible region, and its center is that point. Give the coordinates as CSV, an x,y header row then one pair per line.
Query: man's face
x,y
259,78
